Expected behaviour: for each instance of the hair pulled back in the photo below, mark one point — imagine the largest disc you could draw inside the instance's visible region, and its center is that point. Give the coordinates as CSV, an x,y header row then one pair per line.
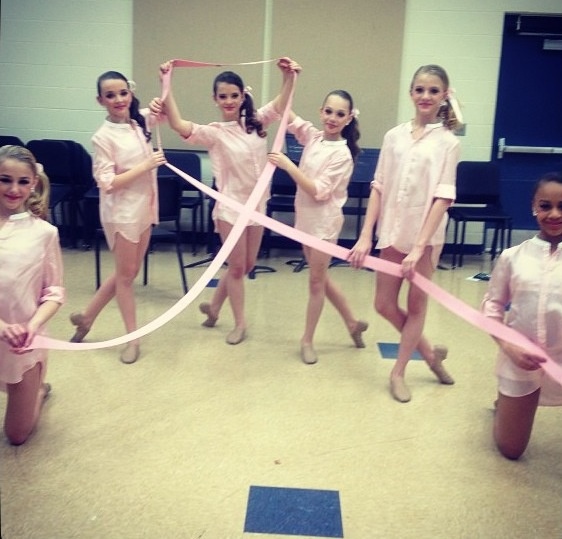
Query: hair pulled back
x,y
351,131
247,110
446,111
134,109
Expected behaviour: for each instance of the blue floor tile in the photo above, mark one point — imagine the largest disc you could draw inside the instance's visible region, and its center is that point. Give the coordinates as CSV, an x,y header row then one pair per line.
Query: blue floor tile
x,y
294,511
389,350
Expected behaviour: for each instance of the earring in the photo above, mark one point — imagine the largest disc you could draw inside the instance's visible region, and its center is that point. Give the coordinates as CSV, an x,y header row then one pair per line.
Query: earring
x,y
443,103
535,213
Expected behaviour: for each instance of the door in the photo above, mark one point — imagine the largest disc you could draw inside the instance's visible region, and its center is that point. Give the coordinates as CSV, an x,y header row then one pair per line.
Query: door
x,y
528,109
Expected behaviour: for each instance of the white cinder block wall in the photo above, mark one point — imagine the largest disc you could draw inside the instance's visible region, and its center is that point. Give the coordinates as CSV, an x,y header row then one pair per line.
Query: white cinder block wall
x,y
51,54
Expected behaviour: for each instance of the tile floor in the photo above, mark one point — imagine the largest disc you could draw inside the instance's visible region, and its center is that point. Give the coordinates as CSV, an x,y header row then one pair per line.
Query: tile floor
x,y
204,440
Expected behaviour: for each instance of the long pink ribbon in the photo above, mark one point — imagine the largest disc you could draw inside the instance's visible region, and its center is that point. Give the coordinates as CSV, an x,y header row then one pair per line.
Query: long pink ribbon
x,y
167,77
167,80
247,212
461,309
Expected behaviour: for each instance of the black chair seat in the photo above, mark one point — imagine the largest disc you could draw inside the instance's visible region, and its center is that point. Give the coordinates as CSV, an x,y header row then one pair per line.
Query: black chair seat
x,y
10,140
478,200
282,200
58,194
69,168
192,198
476,214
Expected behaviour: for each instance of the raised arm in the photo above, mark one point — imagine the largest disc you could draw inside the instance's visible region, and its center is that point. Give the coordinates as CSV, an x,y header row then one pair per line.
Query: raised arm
x,y
170,108
288,67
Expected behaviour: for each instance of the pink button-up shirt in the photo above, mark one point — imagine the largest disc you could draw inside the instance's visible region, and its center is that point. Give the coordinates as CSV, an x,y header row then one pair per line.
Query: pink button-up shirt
x,y
31,273
329,165
410,174
525,292
237,159
132,209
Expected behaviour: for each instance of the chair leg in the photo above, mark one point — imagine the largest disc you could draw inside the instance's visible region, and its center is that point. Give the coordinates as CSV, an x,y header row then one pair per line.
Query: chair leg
x,y
495,238
194,213
455,245
145,267
182,267
266,241
461,246
202,219
98,262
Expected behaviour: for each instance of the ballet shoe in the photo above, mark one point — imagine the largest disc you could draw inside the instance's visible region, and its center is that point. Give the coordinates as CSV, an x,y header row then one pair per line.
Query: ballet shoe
x,y
308,355
236,336
205,308
77,319
356,334
399,390
439,355
130,354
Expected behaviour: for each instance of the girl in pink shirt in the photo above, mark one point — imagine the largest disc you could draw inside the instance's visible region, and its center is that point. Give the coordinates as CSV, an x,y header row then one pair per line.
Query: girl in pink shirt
x,y
125,171
238,151
31,287
414,186
525,292
322,177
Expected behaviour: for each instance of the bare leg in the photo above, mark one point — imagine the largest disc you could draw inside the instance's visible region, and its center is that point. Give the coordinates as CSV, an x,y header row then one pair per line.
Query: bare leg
x,y
212,309
108,289
409,322
25,400
513,423
318,263
128,260
240,262
339,301
84,320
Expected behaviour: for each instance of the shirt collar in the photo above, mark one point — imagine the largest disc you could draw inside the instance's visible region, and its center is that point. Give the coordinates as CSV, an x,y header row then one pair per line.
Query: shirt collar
x,y
19,216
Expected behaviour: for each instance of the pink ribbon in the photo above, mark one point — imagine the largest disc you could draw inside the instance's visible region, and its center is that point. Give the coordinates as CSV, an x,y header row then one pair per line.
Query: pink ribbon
x,y
247,212
167,77
167,80
461,309
41,341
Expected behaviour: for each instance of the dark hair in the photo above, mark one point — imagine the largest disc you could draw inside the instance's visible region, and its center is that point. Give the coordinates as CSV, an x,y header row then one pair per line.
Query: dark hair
x,y
247,111
351,131
134,111
38,201
547,178
446,112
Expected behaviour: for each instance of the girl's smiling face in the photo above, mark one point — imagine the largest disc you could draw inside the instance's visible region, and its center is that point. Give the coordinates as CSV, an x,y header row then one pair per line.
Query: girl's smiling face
x,y
335,114
427,93
116,97
547,208
229,99
17,180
